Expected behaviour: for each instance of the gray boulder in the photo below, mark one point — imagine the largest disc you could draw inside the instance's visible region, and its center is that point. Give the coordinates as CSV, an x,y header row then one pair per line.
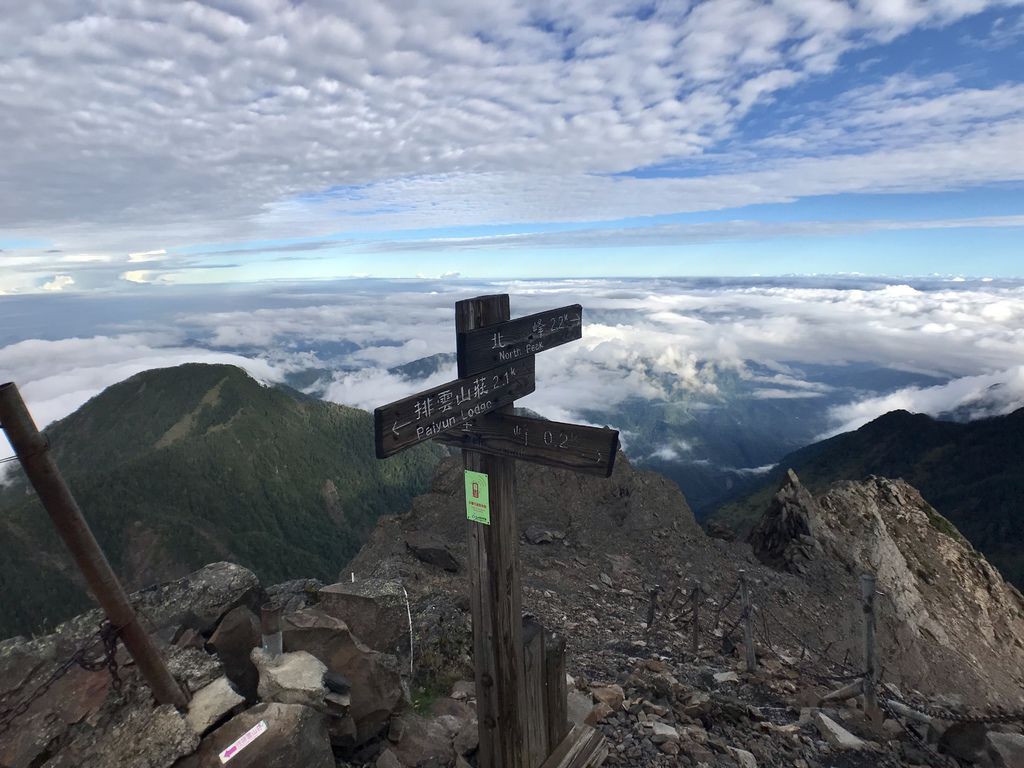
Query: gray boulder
x,y
291,678
374,609
233,640
294,735
211,704
1006,749
431,550
376,684
141,736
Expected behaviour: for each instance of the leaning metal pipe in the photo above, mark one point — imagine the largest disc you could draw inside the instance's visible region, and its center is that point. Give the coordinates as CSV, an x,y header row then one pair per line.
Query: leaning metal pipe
x,y
33,452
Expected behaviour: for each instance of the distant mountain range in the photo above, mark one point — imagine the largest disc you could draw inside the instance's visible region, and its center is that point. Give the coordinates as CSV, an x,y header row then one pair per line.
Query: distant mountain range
x,y
718,442
972,473
179,467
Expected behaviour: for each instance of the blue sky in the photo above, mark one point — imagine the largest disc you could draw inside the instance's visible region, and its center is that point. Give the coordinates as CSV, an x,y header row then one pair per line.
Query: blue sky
x,y
324,140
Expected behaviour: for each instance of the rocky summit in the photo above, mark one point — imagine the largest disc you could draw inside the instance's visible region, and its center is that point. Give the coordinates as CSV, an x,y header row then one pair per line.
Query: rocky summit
x,y
376,669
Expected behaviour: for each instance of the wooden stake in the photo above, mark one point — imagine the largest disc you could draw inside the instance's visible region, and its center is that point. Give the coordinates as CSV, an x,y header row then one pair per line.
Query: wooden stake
x,y
533,671
556,695
748,623
495,591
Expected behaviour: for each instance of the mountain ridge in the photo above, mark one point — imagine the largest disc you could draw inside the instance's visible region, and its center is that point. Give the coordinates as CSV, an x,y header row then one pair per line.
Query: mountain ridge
x,y
177,467
971,472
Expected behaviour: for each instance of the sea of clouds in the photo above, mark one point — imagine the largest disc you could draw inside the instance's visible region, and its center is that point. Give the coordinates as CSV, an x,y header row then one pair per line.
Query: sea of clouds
x,y
654,339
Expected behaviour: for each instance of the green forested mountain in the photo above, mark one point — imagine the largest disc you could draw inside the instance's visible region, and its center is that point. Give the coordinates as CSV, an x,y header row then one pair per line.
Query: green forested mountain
x,y
972,473
178,467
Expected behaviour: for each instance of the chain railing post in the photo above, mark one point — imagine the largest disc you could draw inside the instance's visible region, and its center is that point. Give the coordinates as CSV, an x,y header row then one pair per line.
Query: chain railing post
x,y
867,593
748,623
698,595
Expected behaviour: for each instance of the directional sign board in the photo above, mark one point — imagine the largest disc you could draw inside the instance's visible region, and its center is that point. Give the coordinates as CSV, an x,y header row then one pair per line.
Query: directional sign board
x,y
426,415
568,446
484,348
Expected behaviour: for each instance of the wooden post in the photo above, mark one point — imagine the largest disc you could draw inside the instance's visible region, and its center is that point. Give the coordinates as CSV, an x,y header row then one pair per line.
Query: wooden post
x,y
698,595
533,670
652,606
495,591
867,593
34,454
748,623
556,694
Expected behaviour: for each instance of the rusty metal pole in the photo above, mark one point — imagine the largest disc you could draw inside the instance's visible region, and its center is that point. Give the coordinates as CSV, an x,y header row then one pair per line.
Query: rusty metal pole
x,y
33,453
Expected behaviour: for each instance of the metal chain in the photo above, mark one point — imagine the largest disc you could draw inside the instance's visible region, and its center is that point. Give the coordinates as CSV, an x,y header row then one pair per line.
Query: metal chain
x,y
934,758
107,635
826,679
723,606
821,654
939,713
743,614
40,450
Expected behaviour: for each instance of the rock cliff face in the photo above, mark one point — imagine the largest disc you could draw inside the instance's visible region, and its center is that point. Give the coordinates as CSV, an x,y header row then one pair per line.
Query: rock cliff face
x,y
939,594
593,549
607,564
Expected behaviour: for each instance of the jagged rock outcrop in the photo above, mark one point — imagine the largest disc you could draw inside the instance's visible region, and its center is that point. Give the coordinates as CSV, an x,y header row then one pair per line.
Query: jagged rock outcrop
x,y
374,677
77,720
784,537
947,610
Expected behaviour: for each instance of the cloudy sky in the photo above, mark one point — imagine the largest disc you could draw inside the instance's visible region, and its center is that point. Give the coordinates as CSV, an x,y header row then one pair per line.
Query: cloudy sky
x,y
149,145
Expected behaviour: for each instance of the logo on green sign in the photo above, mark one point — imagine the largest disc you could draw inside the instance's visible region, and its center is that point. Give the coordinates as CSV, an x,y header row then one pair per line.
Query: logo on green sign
x,y
478,499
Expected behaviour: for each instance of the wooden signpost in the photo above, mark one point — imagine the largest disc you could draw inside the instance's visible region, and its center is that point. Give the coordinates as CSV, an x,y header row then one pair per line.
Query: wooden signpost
x,y
495,357
483,348
566,446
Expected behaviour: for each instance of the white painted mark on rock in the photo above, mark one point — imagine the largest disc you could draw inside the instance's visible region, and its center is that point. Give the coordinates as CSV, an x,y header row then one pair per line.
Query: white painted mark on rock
x,y
243,741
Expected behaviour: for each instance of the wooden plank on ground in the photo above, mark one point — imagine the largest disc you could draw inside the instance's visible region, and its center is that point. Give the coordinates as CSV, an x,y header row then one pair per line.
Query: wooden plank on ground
x,y
590,450
584,747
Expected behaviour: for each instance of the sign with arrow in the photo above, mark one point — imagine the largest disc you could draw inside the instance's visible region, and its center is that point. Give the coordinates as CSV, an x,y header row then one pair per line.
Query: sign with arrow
x,y
429,414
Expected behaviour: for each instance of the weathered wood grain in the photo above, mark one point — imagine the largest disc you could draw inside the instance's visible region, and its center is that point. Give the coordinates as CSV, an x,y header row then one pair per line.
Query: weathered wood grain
x,y
426,415
591,450
533,671
495,590
483,348
556,694
584,747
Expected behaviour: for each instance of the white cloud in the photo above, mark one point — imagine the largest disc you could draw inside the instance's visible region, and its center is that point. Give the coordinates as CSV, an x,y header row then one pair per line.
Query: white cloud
x,y
686,341
989,394
143,256
58,283
57,377
141,276
290,118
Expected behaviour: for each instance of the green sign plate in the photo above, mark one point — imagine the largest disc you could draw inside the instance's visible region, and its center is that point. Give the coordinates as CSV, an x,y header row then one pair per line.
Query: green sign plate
x,y
478,498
